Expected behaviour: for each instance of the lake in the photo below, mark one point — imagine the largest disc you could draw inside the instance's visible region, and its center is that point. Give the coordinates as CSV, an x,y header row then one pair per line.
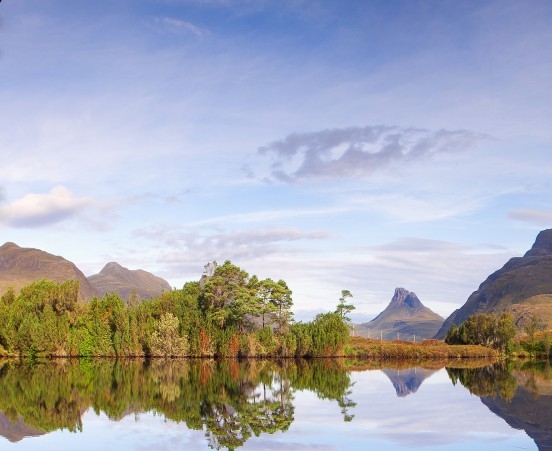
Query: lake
x,y
267,405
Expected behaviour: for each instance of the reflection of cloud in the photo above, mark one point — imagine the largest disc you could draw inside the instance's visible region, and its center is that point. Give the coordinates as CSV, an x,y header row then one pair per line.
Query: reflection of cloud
x,y
538,217
426,418
36,210
358,151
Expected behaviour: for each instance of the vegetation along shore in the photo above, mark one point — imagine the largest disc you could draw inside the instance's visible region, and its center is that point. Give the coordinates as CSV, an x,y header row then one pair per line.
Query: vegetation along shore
x,y
228,313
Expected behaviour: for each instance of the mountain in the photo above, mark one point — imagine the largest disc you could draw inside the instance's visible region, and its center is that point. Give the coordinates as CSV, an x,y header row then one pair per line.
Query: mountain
x,y
115,278
509,288
21,266
405,315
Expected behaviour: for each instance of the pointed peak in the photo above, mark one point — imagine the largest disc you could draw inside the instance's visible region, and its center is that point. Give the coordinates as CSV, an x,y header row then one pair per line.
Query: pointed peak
x,y
112,266
400,295
542,245
403,296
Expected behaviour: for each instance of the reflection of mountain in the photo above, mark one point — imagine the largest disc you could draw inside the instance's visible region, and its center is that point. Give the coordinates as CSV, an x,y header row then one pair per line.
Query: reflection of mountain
x,y
523,398
407,381
16,431
526,411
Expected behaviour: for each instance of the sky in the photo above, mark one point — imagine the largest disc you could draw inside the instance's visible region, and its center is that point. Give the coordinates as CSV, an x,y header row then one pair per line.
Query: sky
x,y
358,145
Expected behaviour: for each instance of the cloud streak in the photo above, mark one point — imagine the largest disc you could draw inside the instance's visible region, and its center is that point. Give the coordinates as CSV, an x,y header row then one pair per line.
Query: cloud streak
x,y
537,217
184,252
358,151
178,26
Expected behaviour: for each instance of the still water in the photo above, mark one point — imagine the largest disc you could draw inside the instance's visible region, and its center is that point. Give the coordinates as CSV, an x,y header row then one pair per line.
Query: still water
x,y
266,405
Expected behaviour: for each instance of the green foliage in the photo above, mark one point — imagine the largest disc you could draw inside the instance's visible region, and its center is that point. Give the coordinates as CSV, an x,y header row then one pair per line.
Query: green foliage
x,y
227,314
484,329
166,340
329,335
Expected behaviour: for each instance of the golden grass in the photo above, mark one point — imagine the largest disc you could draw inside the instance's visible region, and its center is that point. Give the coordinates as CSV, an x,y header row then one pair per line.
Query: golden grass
x,y
366,348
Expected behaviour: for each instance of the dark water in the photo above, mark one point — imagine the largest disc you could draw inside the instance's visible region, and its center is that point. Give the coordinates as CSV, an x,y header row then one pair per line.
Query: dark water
x,y
291,405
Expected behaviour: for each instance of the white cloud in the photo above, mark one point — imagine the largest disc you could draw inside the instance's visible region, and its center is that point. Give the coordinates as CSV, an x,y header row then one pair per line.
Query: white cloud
x,y
36,210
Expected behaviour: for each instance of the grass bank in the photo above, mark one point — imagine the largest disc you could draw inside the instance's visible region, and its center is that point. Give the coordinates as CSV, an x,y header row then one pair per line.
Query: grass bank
x,y
367,348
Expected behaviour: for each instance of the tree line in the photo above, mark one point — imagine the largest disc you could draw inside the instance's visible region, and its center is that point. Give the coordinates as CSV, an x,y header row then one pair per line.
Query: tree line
x,y
499,331
228,313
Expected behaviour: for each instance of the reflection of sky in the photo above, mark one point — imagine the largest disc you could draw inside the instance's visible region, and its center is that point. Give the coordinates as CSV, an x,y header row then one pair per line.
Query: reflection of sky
x,y
439,416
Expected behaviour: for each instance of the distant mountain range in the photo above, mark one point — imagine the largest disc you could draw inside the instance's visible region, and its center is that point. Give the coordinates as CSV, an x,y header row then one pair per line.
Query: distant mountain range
x,y
522,286
22,266
114,278
405,316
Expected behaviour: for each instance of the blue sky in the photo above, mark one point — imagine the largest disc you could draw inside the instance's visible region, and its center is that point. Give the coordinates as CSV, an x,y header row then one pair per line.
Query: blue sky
x,y
360,145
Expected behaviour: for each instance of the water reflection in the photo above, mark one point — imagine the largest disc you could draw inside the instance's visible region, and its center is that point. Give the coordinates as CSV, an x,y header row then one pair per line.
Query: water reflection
x,y
407,381
230,401
226,404
520,394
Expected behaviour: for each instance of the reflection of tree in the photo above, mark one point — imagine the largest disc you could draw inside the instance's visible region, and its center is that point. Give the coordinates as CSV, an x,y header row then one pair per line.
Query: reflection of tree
x,y
489,381
328,379
231,400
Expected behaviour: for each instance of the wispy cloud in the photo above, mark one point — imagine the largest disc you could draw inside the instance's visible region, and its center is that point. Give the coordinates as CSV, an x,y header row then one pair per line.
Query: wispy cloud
x,y
358,151
179,26
537,217
185,251
36,210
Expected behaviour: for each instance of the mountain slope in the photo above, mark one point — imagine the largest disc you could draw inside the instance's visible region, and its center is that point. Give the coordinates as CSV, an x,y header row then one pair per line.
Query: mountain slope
x,y
518,280
115,278
405,315
22,266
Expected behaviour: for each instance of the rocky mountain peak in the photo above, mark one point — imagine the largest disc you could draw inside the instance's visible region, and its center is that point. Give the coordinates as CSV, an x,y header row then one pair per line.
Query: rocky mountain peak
x,y
404,316
542,245
407,298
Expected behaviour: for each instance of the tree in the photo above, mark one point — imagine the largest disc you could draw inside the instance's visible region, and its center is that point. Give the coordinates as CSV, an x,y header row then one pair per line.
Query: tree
x,y
484,329
265,294
228,285
166,340
282,301
343,309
